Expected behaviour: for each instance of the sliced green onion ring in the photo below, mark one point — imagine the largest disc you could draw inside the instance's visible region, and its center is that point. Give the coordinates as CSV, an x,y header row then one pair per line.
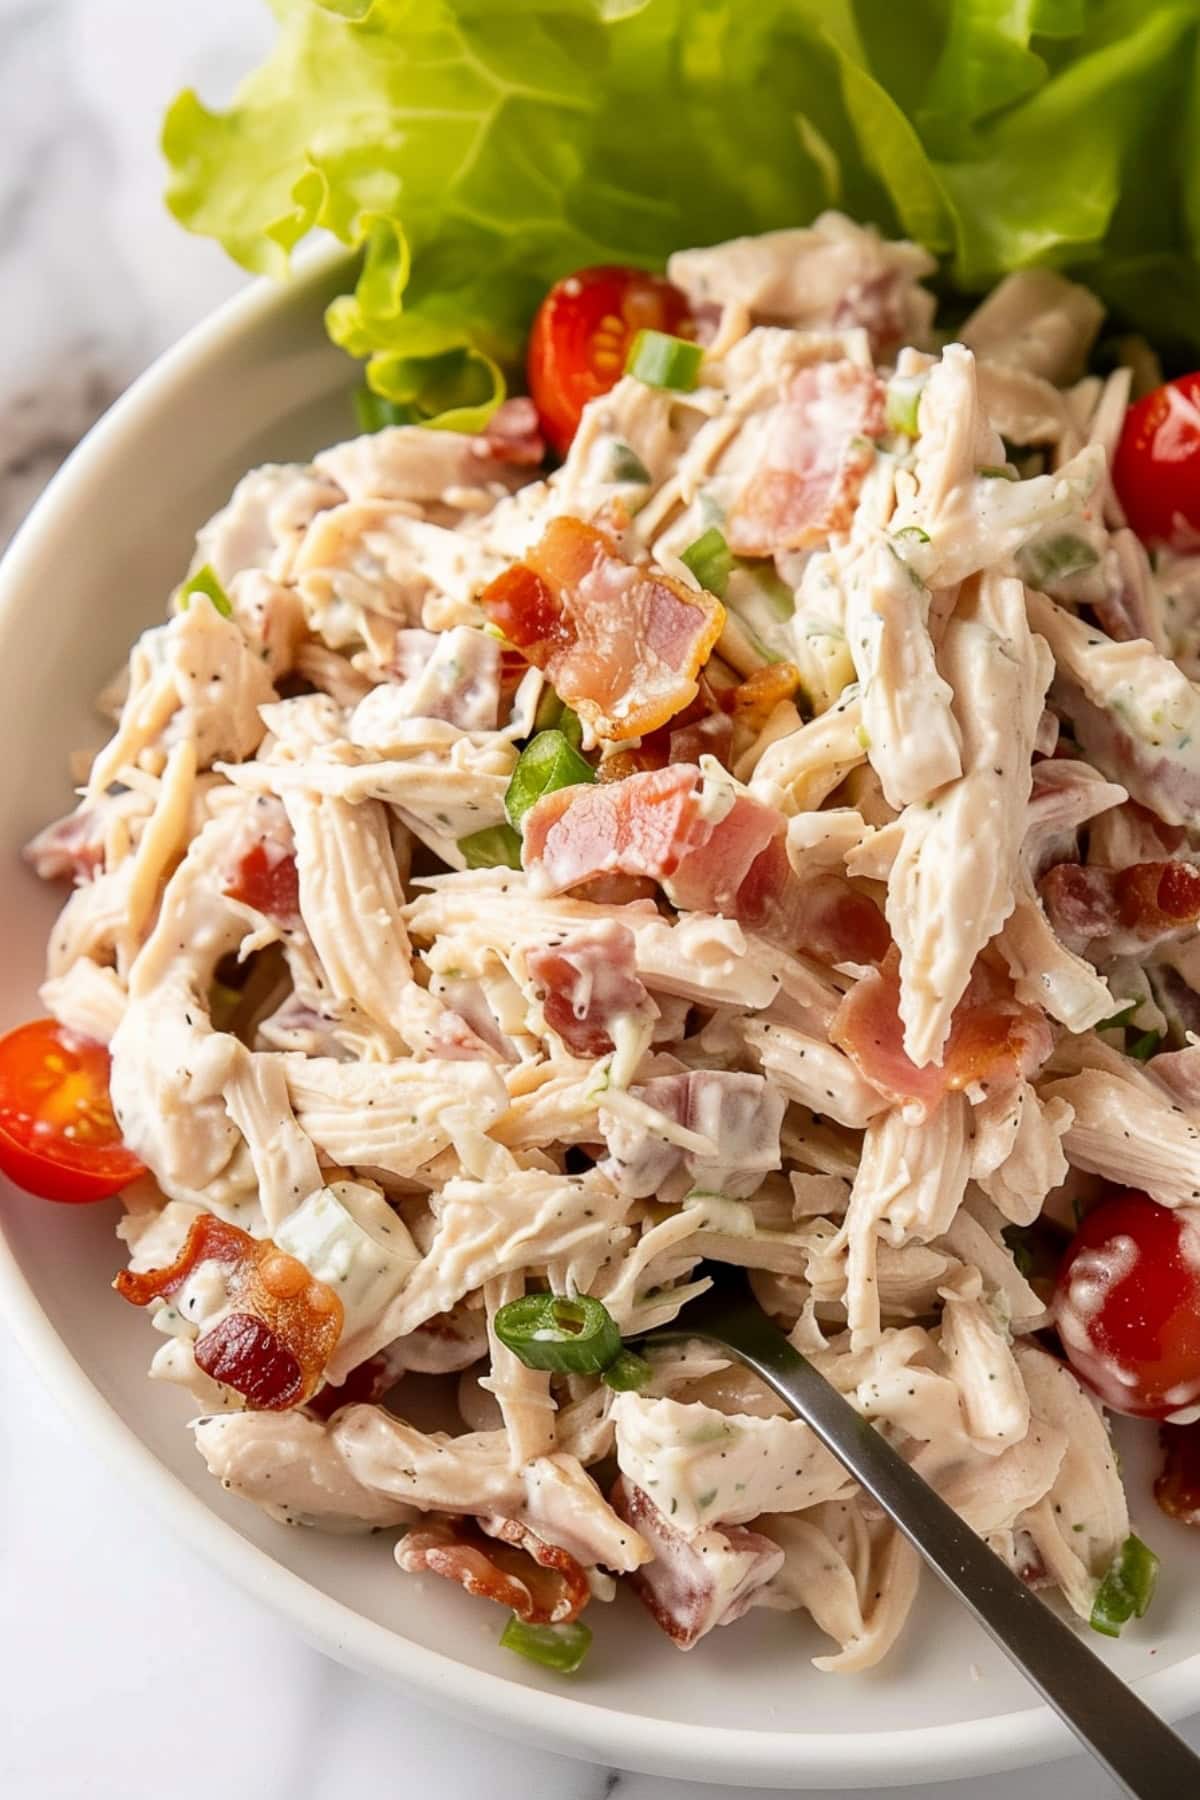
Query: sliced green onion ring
x,y
549,761
558,1647
495,847
1119,1018
554,714
626,465
710,561
627,1373
568,1336
663,361
1144,1047
206,581
1055,558
1127,1588
998,472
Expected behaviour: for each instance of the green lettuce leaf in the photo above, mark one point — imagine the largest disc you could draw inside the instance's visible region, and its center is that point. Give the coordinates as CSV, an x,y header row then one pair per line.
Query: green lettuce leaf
x,y
476,150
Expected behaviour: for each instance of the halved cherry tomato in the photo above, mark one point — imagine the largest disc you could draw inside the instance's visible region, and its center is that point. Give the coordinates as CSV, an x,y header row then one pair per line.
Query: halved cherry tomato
x,y
269,882
59,1138
581,337
1156,468
1127,1305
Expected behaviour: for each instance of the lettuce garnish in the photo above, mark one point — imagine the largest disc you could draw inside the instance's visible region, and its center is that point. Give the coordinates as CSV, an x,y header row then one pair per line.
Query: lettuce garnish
x,y
475,150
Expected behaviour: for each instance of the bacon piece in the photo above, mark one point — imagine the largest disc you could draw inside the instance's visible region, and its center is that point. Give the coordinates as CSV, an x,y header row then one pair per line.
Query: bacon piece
x,y
511,1565
71,849
512,435
694,1584
817,453
364,1385
654,825
993,1036
623,645
1140,905
740,1114
273,1346
1177,1488
588,980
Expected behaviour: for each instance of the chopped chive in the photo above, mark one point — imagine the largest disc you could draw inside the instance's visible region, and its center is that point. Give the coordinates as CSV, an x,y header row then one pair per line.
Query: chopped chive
x,y
626,465
1127,1588
548,762
1119,1018
915,532
903,404
1143,1048
710,560
663,361
569,1336
1054,559
627,1372
495,847
554,714
558,1647
206,581
998,472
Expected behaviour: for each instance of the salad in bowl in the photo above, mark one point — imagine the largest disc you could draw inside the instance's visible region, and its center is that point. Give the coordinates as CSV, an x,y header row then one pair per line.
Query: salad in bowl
x,y
732,802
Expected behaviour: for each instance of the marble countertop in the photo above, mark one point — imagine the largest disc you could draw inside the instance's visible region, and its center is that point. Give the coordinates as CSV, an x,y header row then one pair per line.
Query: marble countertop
x,y
88,1631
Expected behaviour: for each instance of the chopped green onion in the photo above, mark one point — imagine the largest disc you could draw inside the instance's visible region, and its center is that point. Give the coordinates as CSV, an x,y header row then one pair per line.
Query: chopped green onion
x,y
627,1372
1143,1048
998,472
913,531
663,361
626,465
206,581
549,761
710,560
554,714
558,1647
373,412
903,404
1119,1018
552,1331
495,847
1054,559
1127,1588
1017,1239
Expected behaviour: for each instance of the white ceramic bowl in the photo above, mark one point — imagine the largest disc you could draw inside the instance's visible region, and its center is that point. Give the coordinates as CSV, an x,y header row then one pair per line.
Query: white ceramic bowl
x,y
91,567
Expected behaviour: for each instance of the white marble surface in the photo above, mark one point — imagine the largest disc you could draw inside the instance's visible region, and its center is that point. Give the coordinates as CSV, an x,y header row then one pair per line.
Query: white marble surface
x,y
127,1668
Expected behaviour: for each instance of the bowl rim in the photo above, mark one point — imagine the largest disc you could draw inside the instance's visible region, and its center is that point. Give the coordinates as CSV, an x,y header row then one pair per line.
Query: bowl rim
x,y
559,1722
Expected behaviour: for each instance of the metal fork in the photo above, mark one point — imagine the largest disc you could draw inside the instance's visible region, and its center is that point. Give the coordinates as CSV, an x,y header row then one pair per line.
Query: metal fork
x,y
1141,1753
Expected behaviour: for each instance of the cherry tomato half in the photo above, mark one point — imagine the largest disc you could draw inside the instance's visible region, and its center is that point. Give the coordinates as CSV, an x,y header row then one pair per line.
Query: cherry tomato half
x,y
1156,468
59,1138
581,338
1127,1305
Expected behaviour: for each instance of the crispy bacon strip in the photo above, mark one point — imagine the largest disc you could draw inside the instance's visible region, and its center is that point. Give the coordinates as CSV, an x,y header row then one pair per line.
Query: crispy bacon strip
x,y
623,645
1177,1488
1146,902
818,450
273,1347
681,1587
587,982
993,1036
511,1565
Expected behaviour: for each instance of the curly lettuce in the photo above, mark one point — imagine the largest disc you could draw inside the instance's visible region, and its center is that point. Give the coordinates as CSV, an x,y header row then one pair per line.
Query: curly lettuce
x,y
476,150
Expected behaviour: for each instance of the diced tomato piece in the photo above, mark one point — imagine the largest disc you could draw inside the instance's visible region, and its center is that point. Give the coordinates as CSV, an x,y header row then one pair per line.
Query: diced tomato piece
x,y
622,644
59,1137
582,335
269,883
273,1346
